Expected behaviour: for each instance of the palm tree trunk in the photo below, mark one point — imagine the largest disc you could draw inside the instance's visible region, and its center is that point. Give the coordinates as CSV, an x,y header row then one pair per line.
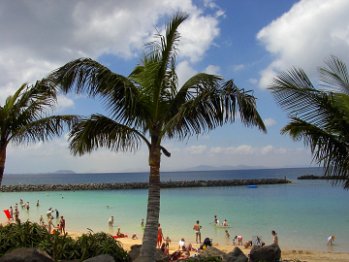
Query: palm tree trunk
x,y
2,162
148,249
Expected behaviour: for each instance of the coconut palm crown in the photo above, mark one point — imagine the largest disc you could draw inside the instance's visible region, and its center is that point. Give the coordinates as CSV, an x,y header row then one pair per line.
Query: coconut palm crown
x,y
23,118
148,106
319,116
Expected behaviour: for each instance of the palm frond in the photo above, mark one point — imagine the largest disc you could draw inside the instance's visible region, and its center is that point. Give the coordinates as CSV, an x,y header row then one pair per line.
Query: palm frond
x,y
207,105
329,148
160,60
42,129
335,76
100,131
120,94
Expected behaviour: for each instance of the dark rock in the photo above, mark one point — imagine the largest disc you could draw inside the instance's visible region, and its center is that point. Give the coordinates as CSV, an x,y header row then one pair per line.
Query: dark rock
x,y
26,255
135,250
100,258
269,253
114,186
236,256
211,252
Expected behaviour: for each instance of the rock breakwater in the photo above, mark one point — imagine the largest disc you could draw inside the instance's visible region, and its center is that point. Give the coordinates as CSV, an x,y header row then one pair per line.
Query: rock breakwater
x,y
122,186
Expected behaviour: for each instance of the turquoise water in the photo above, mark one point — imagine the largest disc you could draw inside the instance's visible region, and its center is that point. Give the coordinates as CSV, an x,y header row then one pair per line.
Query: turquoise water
x,y
303,213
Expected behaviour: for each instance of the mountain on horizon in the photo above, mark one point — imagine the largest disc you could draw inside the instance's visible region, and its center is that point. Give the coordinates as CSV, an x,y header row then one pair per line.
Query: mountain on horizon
x,y
226,167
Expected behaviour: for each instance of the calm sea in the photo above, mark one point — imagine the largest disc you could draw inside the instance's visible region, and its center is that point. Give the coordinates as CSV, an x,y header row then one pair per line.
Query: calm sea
x,y
303,213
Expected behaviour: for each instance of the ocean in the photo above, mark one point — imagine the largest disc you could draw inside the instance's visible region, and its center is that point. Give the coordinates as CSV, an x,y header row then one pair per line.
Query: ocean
x,y
304,213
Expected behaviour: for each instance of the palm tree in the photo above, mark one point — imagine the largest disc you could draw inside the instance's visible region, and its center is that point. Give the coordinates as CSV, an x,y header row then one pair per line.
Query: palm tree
x,y
22,118
319,116
147,107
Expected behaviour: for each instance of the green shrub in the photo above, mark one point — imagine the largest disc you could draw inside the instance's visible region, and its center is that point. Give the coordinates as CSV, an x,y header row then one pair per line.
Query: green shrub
x,y
91,245
59,247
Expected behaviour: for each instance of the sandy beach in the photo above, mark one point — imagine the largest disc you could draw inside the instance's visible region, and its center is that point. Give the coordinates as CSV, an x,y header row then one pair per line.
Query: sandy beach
x,y
292,255
302,255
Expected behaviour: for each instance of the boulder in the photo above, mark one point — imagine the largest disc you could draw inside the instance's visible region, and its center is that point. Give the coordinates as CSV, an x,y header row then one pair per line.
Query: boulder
x,y
211,252
236,256
271,253
135,250
100,258
26,255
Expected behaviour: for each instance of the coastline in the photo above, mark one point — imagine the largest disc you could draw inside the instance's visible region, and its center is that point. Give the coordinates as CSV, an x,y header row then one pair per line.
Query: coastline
x,y
286,254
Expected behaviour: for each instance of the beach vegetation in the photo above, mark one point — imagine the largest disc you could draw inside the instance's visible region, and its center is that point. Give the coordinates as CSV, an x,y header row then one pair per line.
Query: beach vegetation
x,y
24,118
58,246
319,115
148,106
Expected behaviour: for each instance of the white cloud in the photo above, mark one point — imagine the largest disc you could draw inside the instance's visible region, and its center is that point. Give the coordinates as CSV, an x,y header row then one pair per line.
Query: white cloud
x,y
249,155
196,149
269,122
34,42
64,102
213,70
239,67
306,35
184,72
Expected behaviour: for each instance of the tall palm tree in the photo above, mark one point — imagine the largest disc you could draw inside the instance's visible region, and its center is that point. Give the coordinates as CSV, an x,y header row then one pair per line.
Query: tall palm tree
x,y
23,118
148,107
319,116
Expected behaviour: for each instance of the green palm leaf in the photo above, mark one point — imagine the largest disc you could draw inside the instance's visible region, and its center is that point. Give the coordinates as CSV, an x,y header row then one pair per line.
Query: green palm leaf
x,y
319,117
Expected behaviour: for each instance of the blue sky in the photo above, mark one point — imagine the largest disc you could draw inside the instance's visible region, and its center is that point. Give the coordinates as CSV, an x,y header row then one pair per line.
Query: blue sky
x,y
249,41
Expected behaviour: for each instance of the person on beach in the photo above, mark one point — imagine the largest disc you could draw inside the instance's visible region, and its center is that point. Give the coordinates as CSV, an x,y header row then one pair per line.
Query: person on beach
x,y
57,213
17,215
207,243
41,221
275,237
37,203
56,230
27,206
11,212
142,222
49,225
330,240
164,249
111,221
227,235
237,240
225,223
119,234
62,224
181,244
215,220
167,242
160,237
197,229
49,212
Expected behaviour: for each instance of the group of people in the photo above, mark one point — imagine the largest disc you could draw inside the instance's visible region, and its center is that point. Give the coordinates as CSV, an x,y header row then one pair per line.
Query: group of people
x,y
14,215
216,222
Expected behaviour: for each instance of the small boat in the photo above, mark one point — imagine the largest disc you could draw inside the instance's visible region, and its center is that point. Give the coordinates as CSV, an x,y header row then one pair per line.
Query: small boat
x,y
251,186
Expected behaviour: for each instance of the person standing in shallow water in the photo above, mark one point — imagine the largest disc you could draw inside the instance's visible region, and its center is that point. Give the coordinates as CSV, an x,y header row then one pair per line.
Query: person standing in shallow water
x,y
275,237
62,224
197,229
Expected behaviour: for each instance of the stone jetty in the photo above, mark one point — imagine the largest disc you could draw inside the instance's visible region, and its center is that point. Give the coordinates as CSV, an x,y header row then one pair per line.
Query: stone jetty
x,y
122,186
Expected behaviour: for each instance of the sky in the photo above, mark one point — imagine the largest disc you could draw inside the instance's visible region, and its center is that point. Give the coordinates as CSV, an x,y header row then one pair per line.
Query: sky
x,y
249,41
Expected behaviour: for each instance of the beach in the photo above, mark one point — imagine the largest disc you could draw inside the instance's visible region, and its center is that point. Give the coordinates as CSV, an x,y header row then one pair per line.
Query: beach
x,y
302,255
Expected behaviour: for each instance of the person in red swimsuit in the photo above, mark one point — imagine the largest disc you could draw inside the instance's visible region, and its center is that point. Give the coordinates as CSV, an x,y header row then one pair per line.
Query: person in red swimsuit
x,y
160,236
